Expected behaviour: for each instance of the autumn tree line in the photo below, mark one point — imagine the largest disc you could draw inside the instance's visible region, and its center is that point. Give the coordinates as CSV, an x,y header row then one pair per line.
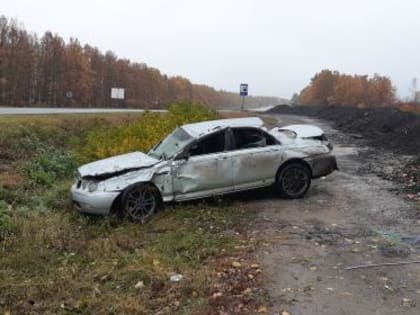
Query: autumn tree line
x,y
48,71
333,88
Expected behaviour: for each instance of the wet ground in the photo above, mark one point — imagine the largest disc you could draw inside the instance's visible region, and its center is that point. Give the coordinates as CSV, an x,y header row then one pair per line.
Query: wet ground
x,y
351,217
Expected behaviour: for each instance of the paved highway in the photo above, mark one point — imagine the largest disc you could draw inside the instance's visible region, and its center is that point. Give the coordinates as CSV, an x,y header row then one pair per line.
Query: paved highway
x,y
54,110
61,110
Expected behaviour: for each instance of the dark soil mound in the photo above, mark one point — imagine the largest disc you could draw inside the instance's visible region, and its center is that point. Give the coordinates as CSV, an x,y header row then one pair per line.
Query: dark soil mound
x,y
387,128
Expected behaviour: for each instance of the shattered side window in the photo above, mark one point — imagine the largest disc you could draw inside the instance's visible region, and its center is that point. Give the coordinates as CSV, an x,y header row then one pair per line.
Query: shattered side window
x,y
214,143
251,138
270,139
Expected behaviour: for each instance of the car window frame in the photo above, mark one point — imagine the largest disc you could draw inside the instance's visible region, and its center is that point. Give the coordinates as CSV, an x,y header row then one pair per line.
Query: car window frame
x,y
186,152
263,132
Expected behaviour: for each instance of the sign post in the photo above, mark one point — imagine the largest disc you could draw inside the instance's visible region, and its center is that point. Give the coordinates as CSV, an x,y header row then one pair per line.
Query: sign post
x,y
243,91
69,96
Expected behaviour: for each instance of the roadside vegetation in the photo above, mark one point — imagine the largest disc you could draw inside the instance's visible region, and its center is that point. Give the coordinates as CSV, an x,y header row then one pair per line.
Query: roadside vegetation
x,y
56,261
141,135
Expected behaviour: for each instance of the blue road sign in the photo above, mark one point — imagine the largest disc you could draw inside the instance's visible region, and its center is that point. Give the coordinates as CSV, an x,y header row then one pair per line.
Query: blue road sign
x,y
243,89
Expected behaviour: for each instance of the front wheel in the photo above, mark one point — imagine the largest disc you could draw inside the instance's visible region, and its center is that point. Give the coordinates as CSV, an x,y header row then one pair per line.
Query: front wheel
x,y
293,181
140,202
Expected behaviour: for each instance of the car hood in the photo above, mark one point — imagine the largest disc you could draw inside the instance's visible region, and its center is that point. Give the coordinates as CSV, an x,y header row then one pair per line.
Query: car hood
x,y
117,164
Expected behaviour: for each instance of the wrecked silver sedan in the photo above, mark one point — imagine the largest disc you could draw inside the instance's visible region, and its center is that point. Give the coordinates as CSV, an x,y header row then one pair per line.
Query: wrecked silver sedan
x,y
205,159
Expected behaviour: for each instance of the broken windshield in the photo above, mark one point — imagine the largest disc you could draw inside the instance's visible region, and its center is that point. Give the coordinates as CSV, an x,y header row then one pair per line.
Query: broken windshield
x,y
172,144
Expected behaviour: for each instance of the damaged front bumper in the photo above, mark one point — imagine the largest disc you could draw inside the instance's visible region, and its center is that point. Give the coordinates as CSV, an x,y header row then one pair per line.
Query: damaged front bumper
x,y
322,165
97,202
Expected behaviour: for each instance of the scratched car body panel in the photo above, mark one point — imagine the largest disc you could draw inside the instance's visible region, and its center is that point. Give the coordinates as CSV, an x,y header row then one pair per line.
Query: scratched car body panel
x,y
205,159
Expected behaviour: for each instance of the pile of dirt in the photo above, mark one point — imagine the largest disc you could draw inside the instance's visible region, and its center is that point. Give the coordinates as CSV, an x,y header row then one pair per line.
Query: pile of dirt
x,y
387,128
409,177
382,128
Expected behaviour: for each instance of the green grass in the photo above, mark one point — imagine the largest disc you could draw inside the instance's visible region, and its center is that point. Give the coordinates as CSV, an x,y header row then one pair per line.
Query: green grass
x,y
93,264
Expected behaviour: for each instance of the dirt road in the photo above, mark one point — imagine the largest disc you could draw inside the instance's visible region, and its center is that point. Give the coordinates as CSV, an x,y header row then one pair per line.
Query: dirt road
x,y
351,217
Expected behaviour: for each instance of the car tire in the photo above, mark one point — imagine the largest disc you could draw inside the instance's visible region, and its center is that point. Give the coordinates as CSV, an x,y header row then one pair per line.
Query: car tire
x,y
140,202
293,181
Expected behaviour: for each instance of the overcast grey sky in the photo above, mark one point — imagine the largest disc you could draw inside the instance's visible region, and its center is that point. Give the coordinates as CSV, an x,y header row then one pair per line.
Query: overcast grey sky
x,y
275,46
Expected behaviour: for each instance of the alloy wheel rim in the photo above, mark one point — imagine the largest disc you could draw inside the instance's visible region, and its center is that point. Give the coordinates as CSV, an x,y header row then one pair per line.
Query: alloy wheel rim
x,y
141,203
295,182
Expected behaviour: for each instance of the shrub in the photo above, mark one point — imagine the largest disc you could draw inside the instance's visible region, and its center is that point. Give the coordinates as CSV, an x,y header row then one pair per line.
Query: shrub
x,y
49,166
6,225
141,134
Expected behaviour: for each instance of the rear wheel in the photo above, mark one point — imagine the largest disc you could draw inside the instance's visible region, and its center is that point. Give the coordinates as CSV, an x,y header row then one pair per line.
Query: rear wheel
x,y
140,202
293,181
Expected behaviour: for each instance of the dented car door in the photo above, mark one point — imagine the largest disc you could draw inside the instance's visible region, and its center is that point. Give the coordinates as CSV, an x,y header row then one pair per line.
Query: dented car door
x,y
255,158
206,170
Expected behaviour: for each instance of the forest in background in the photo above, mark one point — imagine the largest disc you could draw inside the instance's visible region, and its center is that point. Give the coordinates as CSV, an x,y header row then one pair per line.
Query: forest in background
x,y
334,88
48,71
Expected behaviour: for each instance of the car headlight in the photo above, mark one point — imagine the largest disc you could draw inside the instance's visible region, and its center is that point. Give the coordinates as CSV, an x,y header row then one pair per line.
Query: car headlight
x,y
92,186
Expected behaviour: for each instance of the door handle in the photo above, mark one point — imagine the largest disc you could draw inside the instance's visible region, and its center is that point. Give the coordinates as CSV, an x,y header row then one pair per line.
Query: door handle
x,y
222,158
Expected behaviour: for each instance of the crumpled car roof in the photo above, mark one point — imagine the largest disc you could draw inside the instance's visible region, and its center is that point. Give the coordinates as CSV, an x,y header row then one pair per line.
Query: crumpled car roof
x,y
201,128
